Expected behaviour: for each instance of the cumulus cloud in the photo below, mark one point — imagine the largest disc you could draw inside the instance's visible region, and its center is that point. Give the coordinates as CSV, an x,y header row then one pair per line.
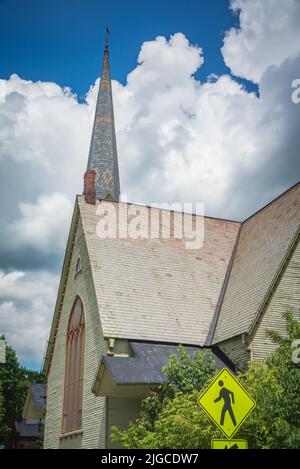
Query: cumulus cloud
x,y
44,137
268,33
43,225
178,140
213,142
26,306
37,235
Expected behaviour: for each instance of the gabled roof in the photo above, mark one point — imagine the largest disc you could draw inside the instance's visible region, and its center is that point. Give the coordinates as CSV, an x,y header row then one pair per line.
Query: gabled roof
x,y
35,402
264,242
157,289
38,394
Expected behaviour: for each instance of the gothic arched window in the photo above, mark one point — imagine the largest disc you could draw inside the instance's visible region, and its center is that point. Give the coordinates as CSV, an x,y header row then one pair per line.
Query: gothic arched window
x,y
72,413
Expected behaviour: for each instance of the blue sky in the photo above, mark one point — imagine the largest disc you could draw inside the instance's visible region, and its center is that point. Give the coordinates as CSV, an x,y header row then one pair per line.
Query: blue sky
x,y
61,41
180,137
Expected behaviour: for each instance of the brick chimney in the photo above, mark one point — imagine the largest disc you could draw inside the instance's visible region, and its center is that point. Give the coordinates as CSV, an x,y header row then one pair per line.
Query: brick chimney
x,y
89,190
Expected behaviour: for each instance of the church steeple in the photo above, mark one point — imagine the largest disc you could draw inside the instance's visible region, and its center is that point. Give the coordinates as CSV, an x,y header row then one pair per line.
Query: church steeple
x,y
103,156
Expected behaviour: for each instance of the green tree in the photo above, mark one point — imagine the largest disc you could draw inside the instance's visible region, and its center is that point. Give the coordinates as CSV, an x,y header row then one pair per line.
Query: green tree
x,y
260,427
185,372
275,385
172,418
287,373
33,377
14,383
14,393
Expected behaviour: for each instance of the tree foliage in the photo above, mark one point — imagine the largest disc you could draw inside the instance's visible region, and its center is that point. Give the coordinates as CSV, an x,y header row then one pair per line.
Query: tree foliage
x,y
14,383
287,373
185,372
171,418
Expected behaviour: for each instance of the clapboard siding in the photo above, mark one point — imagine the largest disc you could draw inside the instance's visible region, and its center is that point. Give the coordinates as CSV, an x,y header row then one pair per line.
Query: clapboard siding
x,y
94,408
285,297
120,411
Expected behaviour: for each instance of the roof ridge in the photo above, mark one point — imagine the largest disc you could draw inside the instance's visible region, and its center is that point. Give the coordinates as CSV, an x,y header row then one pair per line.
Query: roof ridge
x,y
214,322
138,204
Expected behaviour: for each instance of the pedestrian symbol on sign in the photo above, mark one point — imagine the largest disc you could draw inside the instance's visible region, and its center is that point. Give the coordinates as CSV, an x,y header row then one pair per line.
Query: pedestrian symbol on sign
x,y
227,396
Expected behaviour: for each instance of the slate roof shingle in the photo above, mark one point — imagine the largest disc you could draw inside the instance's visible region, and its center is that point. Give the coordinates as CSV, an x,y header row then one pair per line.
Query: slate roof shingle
x,y
157,289
39,394
146,365
263,242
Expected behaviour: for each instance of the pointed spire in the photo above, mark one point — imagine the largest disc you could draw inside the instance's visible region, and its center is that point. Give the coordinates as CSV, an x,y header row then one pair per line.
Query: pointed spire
x,y
103,149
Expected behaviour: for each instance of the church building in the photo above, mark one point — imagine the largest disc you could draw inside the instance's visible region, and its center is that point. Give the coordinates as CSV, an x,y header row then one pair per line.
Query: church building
x,y
125,303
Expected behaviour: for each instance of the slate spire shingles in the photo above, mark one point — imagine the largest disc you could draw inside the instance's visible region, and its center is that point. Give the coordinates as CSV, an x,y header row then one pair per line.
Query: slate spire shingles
x,y
103,149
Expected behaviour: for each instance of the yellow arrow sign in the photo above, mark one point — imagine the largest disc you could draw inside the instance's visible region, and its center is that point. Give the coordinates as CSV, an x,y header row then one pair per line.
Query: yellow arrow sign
x,y
229,444
226,402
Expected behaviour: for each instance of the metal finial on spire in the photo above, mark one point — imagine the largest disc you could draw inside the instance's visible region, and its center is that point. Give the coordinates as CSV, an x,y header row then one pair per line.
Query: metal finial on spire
x,y
107,35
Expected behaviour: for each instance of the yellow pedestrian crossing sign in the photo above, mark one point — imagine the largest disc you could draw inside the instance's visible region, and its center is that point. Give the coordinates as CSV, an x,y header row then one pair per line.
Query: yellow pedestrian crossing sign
x,y
229,444
226,402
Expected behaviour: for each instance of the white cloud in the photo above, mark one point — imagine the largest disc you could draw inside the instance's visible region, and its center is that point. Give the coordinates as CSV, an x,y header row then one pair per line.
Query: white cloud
x,y
178,140
268,33
36,122
213,142
26,308
43,225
